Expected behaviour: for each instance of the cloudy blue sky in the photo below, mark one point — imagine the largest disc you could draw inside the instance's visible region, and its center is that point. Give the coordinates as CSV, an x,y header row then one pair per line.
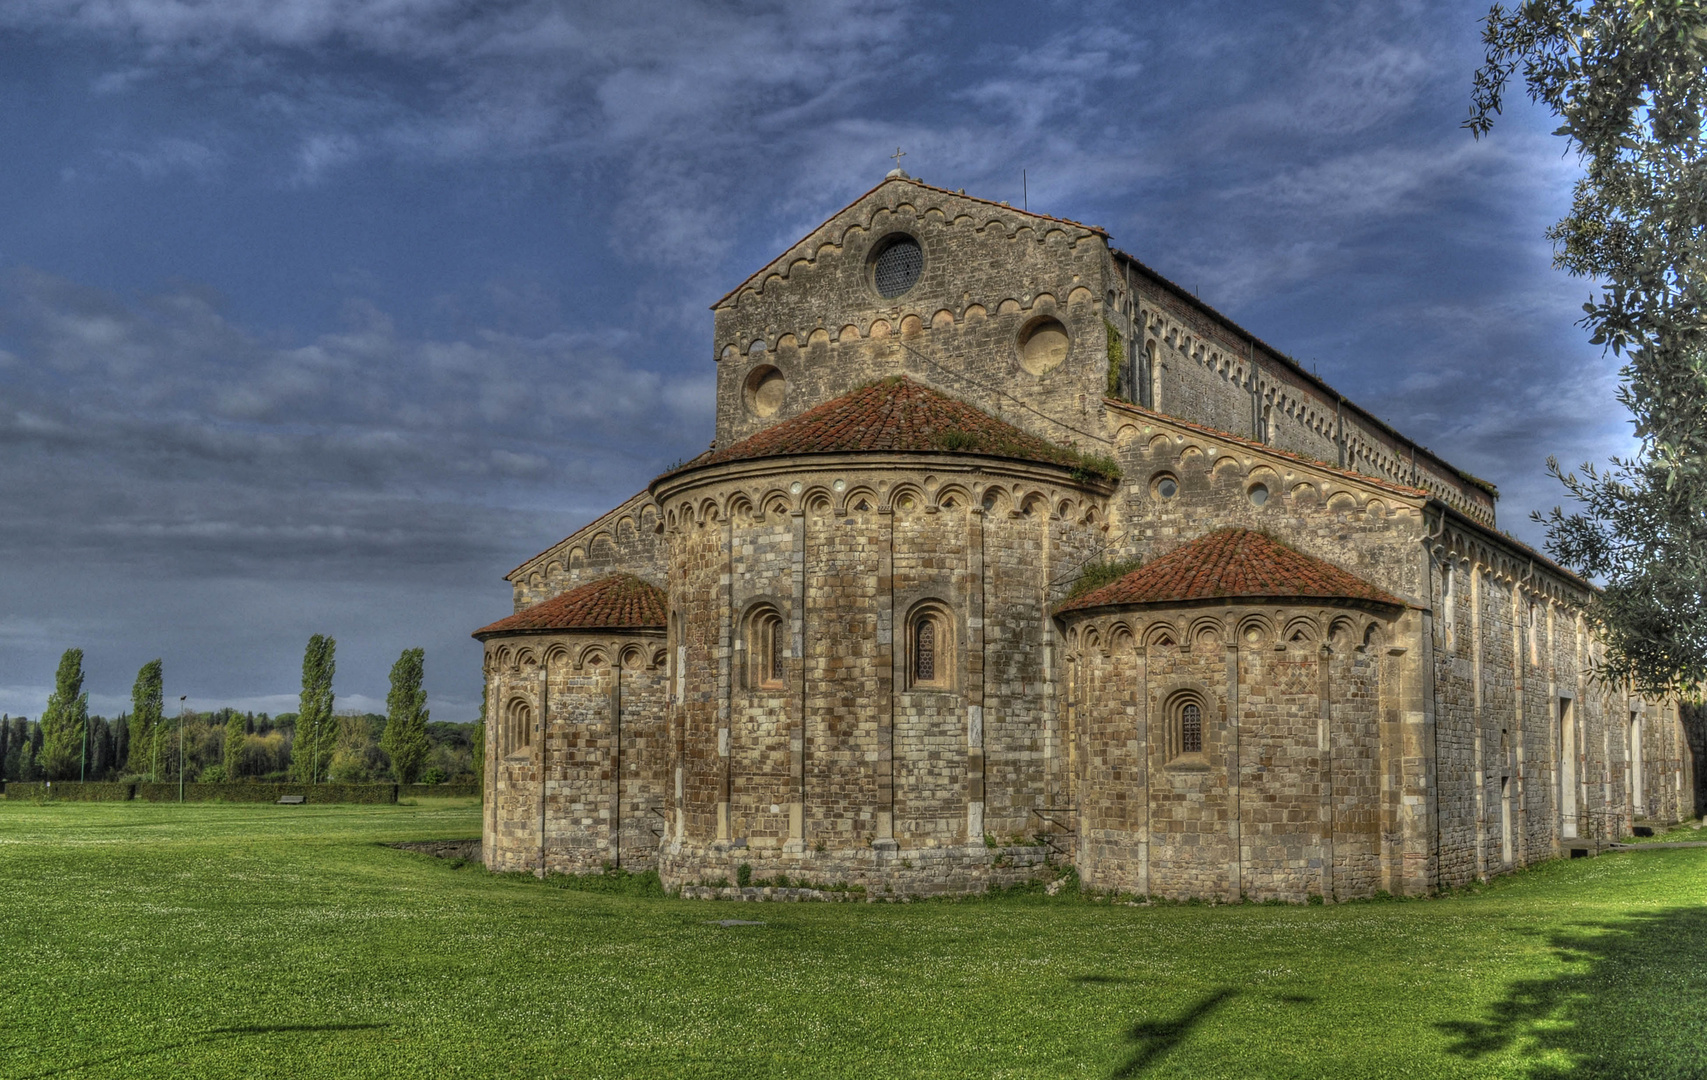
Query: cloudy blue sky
x,y
320,315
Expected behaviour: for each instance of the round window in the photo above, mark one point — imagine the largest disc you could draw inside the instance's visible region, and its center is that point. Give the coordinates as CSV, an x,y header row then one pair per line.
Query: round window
x,y
1258,494
1043,345
765,388
899,263
1165,487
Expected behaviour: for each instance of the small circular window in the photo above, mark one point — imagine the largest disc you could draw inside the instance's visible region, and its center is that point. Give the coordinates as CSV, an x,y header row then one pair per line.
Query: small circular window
x,y
765,388
1165,487
1258,494
1043,345
899,263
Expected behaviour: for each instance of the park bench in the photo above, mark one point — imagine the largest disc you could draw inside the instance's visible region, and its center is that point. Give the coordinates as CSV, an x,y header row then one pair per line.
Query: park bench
x,y
292,800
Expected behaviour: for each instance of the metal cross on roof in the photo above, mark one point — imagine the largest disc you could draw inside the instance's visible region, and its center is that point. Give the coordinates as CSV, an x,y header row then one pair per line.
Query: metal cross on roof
x,y
898,155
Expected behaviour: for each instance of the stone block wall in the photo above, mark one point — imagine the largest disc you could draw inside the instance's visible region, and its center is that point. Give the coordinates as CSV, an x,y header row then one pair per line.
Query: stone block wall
x,y
1284,799
990,272
1368,529
583,791
847,768
626,540
1208,371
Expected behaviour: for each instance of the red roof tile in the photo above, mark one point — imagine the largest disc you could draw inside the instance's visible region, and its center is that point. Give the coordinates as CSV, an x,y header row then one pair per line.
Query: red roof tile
x,y
895,414
617,602
1232,564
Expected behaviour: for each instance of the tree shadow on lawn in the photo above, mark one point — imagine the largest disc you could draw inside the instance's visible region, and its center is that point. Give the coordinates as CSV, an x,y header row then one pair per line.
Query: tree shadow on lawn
x,y
1631,1004
212,1035
1156,1037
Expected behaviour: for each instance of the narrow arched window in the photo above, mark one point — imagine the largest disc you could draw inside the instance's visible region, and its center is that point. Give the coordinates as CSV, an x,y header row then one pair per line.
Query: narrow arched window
x,y
1184,738
930,648
1191,729
519,728
764,644
924,653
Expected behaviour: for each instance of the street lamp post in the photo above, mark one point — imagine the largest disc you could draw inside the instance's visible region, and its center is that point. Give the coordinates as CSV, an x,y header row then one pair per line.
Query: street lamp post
x,y
181,698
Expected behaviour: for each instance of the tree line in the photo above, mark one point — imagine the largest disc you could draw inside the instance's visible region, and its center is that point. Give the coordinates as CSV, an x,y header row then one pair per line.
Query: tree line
x,y
315,744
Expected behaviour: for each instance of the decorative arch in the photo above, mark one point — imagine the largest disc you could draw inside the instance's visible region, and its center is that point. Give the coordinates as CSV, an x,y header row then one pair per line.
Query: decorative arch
x,y
860,500
907,498
953,497
740,508
1255,631
1090,638
1120,638
1161,635
1301,630
1206,632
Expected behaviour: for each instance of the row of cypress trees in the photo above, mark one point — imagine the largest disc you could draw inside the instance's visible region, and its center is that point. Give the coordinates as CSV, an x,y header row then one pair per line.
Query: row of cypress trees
x,y
58,744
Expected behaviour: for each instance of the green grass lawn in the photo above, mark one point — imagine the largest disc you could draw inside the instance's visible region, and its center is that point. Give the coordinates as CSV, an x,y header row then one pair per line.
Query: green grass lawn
x,y
243,940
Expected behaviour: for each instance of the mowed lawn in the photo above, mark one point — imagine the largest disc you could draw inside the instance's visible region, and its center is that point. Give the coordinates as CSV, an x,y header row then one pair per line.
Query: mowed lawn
x,y
239,940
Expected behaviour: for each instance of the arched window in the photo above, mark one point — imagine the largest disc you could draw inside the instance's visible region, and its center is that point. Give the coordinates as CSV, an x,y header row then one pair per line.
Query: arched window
x,y
930,648
924,652
1191,728
1185,726
765,649
518,728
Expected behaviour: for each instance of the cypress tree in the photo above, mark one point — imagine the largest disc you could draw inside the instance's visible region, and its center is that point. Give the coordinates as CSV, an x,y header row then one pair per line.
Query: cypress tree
x,y
316,729
27,761
234,736
147,704
121,743
64,722
405,739
5,744
19,742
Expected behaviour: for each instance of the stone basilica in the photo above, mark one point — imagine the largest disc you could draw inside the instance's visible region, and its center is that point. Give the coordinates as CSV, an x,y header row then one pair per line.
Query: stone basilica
x,y
1009,552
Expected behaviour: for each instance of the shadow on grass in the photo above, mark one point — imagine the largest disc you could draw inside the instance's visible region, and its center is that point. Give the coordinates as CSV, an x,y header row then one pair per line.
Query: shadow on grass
x,y
1156,1037
1632,1003
212,1035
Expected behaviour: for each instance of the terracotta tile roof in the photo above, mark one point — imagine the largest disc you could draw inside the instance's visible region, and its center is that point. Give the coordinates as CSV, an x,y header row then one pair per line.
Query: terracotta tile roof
x,y
1232,564
620,601
895,414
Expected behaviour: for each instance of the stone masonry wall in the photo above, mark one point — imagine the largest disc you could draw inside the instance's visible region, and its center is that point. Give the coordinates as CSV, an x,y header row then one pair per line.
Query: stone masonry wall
x,y
627,539
1282,802
989,273
848,770
1206,370
1367,527
557,801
